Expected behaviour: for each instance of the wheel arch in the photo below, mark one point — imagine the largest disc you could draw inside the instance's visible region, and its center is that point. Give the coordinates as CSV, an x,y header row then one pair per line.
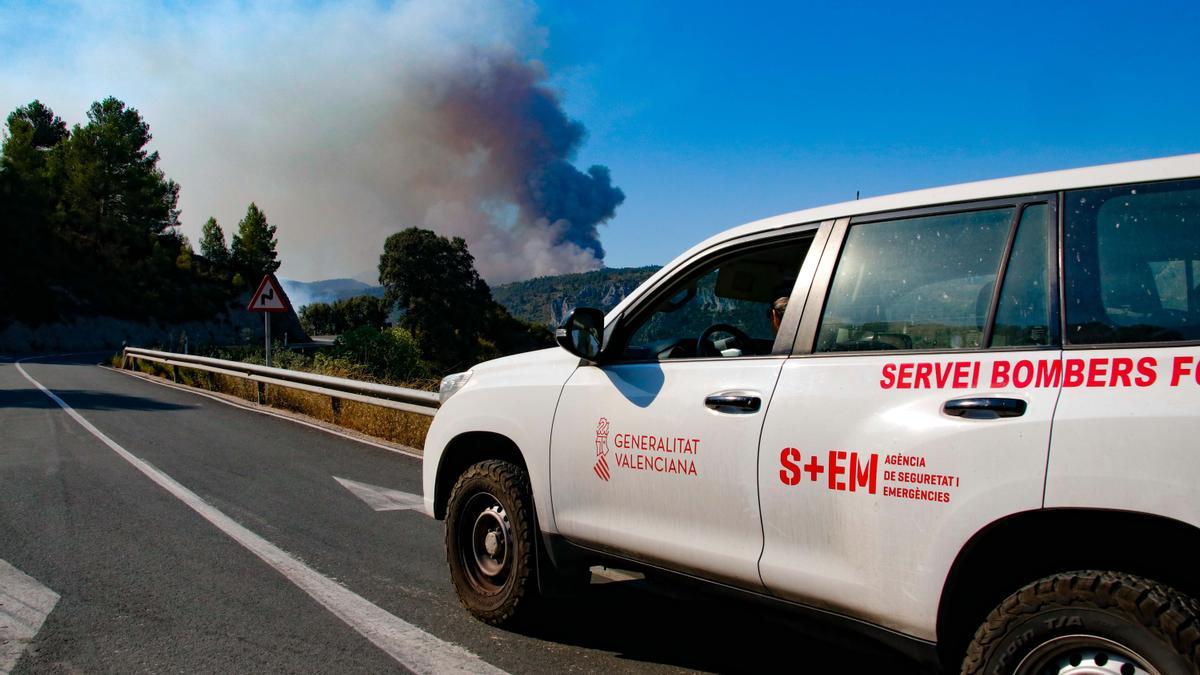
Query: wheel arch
x,y
994,563
464,450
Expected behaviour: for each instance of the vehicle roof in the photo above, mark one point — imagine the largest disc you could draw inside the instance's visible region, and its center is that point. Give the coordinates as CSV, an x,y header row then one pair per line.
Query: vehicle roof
x,y
1166,168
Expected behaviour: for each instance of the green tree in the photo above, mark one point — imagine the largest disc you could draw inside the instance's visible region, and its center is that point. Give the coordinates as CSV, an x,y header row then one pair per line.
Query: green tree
x,y
22,161
32,131
317,318
212,244
28,255
335,318
253,249
511,335
186,254
88,223
115,215
114,194
442,300
48,128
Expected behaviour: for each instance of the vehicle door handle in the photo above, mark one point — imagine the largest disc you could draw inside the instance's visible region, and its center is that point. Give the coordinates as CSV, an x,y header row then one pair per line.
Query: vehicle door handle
x,y
733,402
986,408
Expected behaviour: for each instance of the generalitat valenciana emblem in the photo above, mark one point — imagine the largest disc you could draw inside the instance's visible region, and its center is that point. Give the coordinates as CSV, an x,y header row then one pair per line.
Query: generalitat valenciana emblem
x,y
601,467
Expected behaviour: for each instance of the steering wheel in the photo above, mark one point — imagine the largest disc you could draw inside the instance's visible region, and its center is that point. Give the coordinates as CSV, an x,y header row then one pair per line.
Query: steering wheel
x,y
705,346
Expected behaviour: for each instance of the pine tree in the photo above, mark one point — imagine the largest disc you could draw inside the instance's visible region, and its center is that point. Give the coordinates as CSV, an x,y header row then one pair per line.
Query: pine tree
x,y
183,259
48,128
114,192
253,249
212,244
88,223
28,255
33,130
116,214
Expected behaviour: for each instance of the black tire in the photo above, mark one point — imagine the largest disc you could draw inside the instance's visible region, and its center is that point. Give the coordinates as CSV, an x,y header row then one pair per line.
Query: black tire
x,y
1089,618
489,541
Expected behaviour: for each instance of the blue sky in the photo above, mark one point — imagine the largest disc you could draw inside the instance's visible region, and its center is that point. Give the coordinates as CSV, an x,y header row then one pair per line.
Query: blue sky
x,y
708,114
711,116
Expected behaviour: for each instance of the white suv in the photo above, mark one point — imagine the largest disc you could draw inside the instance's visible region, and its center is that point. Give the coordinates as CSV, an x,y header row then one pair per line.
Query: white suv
x,y
964,420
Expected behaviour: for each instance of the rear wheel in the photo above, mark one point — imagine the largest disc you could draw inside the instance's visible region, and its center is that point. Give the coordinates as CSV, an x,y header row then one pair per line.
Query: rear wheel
x,y
1089,622
489,541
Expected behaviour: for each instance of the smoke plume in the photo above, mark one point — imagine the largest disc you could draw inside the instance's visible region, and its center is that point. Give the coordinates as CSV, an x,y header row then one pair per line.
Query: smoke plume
x,y
498,115
345,123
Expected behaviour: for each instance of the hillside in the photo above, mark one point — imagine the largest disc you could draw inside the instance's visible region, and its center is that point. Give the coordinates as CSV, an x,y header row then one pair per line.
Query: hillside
x,y
328,290
546,300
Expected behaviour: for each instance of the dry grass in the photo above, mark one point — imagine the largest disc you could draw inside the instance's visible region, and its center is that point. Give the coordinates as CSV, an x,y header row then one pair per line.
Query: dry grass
x,y
384,423
393,425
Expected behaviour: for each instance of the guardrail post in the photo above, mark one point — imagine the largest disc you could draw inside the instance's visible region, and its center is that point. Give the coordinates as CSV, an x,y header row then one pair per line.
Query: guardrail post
x,y
335,404
262,393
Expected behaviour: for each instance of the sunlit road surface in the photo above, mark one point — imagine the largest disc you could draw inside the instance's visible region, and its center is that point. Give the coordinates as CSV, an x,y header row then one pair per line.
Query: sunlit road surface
x,y
184,534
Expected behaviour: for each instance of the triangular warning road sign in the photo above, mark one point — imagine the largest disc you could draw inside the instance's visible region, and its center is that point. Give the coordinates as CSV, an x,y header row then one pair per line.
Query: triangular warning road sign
x,y
269,297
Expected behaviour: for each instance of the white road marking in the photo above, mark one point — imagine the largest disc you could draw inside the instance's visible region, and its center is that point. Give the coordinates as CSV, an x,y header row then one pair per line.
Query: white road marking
x,y
412,647
261,411
24,606
383,499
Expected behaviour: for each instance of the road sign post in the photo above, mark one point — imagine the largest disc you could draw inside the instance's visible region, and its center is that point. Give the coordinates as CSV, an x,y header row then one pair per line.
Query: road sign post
x,y
269,299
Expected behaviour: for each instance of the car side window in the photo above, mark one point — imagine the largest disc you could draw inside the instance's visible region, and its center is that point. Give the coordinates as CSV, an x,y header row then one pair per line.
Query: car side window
x,y
1023,315
915,283
1132,263
730,307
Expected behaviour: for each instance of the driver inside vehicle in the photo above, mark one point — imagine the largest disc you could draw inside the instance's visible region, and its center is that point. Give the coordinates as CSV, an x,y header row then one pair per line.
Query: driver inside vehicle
x,y
731,308
777,309
741,344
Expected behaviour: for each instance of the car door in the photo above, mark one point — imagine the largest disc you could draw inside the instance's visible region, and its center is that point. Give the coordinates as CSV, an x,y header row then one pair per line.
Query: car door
x,y
916,409
654,452
1126,428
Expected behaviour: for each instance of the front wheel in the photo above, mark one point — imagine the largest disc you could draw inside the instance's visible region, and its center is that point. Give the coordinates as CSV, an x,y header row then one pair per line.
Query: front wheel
x,y
489,541
1089,622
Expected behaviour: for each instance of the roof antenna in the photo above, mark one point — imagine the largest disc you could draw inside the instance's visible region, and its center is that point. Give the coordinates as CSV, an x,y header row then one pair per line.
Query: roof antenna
x,y
856,195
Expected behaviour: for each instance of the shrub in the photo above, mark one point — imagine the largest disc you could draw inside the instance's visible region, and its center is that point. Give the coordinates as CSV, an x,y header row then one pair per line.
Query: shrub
x,y
391,354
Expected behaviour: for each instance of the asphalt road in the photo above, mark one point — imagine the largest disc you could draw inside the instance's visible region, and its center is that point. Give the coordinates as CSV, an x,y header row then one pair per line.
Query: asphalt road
x,y
149,584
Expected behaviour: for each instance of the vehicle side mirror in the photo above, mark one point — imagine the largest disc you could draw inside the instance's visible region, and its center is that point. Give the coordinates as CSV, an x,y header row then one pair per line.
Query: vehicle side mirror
x,y
582,333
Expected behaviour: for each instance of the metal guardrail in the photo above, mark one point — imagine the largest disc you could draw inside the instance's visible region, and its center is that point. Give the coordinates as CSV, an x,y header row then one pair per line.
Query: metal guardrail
x,y
399,398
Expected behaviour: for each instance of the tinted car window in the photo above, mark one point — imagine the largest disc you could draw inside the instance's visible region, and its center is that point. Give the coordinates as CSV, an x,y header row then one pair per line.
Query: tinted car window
x,y
1023,313
915,283
1132,257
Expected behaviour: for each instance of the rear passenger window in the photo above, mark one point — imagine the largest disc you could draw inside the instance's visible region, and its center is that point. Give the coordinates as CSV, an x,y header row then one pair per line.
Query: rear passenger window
x,y
915,283
1132,258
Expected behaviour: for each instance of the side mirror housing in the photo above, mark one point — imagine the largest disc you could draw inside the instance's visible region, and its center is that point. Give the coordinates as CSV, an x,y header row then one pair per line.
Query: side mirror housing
x,y
582,333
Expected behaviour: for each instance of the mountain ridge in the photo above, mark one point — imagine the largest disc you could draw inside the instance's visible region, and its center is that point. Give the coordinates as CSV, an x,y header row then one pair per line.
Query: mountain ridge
x,y
327,290
546,300
541,300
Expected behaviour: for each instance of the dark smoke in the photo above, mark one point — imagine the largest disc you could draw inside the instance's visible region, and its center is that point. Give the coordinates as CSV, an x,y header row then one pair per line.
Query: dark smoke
x,y
579,200
502,107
